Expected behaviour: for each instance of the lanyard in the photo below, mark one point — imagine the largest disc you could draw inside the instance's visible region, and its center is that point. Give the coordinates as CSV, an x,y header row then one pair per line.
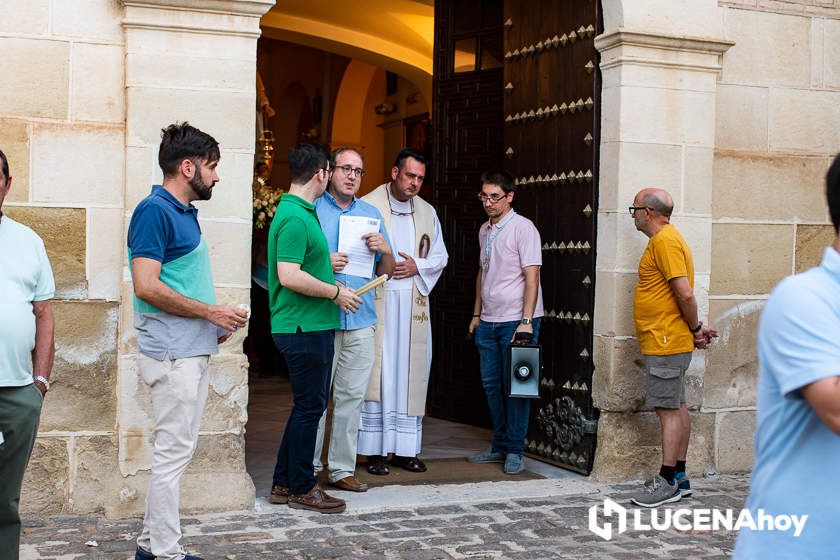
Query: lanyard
x,y
491,237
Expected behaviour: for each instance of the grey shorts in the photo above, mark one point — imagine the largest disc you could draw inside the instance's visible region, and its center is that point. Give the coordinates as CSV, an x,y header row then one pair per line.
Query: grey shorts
x,y
666,380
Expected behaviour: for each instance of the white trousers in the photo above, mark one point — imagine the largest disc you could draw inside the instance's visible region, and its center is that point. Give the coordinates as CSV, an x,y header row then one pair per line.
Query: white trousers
x,y
179,392
352,365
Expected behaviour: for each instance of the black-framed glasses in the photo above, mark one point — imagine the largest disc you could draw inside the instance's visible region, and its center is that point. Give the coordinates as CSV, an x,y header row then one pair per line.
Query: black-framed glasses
x,y
494,198
348,170
634,208
327,170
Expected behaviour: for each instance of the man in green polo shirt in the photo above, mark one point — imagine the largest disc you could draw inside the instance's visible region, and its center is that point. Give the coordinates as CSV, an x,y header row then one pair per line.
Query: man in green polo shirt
x,y
303,296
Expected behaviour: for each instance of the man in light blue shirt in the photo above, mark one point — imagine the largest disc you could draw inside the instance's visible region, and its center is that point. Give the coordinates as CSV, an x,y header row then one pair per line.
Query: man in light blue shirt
x,y
797,442
354,340
26,357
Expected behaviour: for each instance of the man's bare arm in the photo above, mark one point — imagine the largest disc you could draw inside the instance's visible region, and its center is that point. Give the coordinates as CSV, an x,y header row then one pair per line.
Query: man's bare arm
x,y
148,287
386,265
291,276
477,305
532,287
824,398
529,304
685,299
44,352
688,307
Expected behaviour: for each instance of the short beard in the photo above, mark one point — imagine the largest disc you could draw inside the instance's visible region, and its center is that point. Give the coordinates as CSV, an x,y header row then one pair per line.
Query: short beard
x,y
202,190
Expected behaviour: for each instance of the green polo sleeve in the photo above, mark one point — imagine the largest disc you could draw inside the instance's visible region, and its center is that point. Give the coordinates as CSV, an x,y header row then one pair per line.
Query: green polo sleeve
x,y
291,240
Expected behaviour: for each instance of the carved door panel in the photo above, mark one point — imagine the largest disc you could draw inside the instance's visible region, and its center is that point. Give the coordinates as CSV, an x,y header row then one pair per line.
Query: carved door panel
x,y
551,136
468,134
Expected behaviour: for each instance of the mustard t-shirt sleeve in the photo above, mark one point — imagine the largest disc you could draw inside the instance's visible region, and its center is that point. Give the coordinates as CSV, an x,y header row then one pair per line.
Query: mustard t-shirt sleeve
x,y
670,258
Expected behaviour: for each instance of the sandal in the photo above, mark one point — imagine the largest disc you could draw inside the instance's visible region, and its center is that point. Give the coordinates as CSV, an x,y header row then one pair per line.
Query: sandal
x,y
413,464
377,465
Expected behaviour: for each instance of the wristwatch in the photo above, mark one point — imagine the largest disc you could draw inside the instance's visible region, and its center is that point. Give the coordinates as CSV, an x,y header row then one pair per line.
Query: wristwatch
x,y
696,329
526,320
44,381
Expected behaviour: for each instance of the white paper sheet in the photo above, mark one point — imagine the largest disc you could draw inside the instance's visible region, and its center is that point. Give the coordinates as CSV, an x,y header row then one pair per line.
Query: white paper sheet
x,y
360,259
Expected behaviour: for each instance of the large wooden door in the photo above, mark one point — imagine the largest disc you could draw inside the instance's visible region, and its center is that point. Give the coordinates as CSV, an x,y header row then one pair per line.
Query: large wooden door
x,y
551,130
468,139
538,118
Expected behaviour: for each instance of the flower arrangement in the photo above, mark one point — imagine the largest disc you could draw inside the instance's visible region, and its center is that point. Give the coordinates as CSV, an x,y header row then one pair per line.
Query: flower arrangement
x,y
265,204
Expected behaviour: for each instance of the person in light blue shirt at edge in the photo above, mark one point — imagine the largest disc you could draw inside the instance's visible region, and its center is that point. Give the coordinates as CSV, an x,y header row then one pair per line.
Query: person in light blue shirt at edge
x,y
797,441
27,348
354,340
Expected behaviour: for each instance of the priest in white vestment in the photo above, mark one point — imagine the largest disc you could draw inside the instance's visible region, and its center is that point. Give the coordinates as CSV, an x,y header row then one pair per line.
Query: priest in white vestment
x,y
392,416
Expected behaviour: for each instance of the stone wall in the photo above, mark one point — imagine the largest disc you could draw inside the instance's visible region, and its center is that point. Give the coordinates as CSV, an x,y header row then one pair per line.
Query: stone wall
x,y
90,85
777,127
62,126
659,63
734,107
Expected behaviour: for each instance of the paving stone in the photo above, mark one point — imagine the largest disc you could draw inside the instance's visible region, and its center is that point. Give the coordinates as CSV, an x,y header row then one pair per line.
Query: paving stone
x,y
492,506
383,516
428,554
421,522
440,510
408,533
526,529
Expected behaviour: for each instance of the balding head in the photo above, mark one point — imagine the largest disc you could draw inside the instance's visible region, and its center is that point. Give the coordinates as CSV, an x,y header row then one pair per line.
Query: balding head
x,y
658,200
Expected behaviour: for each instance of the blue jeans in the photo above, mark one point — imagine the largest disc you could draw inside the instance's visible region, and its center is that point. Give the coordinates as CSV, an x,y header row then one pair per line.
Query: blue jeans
x,y
508,415
309,357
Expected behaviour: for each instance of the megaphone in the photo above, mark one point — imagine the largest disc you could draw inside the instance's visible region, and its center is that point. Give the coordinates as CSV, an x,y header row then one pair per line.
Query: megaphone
x,y
525,369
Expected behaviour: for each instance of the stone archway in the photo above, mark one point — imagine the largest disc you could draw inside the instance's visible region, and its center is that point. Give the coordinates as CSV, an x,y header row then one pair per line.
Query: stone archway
x,y
395,35
347,124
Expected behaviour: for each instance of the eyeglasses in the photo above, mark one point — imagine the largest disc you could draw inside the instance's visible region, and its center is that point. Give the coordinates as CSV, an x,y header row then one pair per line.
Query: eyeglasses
x,y
634,208
327,170
348,170
494,198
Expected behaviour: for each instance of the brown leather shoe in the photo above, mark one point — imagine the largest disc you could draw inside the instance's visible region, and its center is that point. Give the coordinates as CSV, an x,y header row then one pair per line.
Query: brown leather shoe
x,y
351,484
279,495
317,500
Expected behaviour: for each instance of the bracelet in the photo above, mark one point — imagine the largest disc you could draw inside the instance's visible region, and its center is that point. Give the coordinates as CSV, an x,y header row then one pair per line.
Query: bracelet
x,y
476,315
337,291
697,329
43,380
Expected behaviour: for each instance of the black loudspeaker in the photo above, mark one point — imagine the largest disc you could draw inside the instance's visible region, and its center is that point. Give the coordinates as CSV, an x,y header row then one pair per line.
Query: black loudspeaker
x,y
525,368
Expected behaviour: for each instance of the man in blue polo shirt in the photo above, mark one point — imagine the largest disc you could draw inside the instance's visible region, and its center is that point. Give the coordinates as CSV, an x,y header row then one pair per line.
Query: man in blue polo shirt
x,y
178,322
797,438
354,339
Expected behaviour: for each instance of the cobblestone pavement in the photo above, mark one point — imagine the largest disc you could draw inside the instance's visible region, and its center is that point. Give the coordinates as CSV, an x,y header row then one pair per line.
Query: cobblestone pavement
x,y
533,528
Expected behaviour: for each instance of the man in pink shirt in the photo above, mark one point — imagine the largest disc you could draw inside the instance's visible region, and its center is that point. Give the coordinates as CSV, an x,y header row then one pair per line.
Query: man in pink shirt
x,y
508,300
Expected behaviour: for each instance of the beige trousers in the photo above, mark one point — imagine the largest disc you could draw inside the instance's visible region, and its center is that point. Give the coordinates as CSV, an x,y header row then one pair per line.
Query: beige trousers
x,y
179,392
352,365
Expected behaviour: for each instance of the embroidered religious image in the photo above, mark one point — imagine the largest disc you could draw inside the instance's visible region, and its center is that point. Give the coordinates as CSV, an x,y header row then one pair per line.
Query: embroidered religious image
x,y
425,243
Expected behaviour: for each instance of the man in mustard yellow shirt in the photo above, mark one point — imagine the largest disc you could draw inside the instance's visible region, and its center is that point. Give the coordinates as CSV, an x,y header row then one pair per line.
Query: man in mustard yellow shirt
x,y
668,329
